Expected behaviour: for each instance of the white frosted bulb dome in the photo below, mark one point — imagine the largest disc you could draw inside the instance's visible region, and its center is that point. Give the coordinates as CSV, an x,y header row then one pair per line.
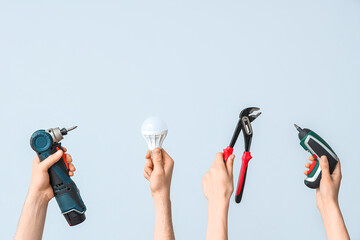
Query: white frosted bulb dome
x,y
154,130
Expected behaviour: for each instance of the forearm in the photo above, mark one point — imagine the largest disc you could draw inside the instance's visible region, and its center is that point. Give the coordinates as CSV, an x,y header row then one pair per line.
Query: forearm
x,y
333,222
217,221
163,221
32,220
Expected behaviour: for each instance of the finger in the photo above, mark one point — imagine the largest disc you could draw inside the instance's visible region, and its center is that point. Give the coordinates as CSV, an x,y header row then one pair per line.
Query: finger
x,y
72,167
206,176
146,176
311,158
149,164
168,161
324,164
307,165
36,160
219,157
71,174
52,159
219,160
204,183
337,171
306,172
157,159
230,164
64,149
148,171
148,154
68,158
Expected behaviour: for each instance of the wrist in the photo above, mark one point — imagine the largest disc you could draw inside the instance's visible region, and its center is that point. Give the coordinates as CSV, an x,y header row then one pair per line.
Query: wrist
x,y
161,197
162,203
328,206
219,202
37,197
219,207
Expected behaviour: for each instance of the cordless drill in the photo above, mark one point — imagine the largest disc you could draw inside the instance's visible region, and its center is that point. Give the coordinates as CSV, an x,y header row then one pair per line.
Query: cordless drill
x,y
67,195
317,146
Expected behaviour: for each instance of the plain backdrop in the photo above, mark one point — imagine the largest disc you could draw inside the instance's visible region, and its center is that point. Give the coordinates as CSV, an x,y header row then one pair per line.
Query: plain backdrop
x,y
108,65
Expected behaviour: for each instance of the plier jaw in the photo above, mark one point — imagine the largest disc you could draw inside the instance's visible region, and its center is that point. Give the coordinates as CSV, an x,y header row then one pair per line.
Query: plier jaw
x,y
246,119
247,111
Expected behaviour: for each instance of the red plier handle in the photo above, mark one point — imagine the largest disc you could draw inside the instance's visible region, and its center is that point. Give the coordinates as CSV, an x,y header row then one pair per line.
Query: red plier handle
x,y
227,153
242,176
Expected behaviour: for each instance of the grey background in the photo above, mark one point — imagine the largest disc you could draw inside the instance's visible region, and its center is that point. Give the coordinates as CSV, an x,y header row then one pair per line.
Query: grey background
x,y
107,65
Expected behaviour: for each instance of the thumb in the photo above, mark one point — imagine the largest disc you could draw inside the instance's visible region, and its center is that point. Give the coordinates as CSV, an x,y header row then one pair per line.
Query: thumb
x,y
337,172
324,164
157,159
230,164
52,159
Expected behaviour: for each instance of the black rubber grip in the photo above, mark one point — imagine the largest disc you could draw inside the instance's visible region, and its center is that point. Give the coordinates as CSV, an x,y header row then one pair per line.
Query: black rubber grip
x,y
320,151
239,197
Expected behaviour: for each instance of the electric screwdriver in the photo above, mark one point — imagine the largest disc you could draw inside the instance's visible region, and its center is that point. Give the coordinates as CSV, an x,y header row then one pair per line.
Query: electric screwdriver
x,y
317,146
67,195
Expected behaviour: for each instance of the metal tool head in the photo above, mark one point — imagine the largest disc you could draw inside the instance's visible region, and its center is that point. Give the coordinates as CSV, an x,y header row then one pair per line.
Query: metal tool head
x,y
244,123
247,111
246,118
57,133
298,128
70,129
65,131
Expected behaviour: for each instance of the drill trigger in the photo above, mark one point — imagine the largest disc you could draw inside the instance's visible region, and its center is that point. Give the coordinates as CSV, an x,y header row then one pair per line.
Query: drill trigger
x,y
313,164
64,158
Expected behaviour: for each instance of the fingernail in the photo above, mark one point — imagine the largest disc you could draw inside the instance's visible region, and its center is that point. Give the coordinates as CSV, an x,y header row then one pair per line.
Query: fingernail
x,y
156,151
59,153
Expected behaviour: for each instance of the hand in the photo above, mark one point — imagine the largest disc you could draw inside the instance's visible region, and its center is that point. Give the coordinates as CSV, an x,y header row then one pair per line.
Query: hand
x,y
158,171
32,220
40,180
218,182
328,191
327,200
218,186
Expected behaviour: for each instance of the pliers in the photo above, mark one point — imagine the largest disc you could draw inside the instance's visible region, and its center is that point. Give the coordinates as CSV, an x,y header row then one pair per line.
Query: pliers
x,y
244,124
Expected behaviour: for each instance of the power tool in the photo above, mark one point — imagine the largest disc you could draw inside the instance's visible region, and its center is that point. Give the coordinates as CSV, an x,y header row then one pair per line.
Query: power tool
x,y
317,146
67,195
244,124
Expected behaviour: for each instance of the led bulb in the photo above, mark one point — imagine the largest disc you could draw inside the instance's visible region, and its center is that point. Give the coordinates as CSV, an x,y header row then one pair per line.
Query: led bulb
x,y
154,131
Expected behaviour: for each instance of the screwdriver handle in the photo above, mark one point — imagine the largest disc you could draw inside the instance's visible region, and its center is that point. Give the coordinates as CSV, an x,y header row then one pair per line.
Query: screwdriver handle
x,y
317,147
242,176
227,153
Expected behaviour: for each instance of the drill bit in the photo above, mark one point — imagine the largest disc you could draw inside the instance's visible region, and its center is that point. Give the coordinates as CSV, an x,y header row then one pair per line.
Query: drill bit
x,y
298,128
65,131
72,128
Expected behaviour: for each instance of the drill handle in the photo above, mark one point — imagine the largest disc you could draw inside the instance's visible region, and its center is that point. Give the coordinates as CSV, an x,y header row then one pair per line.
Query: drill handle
x,y
62,164
65,190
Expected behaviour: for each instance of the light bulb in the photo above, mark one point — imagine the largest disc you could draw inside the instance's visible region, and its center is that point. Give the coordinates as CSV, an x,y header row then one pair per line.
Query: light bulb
x,y
154,131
